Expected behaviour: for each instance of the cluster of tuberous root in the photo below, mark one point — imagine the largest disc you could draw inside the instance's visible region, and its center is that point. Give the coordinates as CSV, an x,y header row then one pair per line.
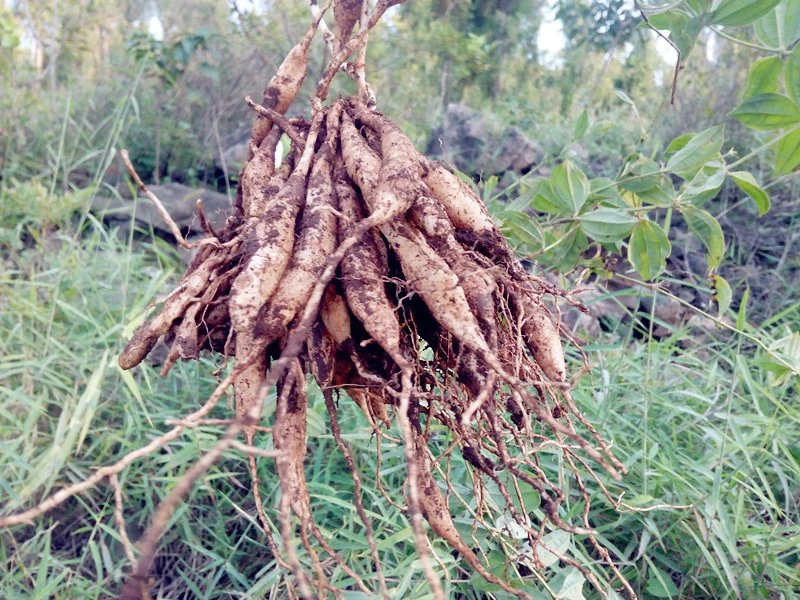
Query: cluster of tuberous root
x,y
358,262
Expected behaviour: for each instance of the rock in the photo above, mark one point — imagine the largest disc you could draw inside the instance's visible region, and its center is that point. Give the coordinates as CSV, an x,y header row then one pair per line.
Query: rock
x,y
462,138
473,144
179,200
234,157
516,152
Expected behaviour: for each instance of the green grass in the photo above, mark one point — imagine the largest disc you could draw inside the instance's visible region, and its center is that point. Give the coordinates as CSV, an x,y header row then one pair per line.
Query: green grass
x,y
698,426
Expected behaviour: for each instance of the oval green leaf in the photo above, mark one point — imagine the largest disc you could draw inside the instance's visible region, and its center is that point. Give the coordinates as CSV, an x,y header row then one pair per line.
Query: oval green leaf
x,y
685,37
793,73
763,77
648,249
570,186
733,13
521,230
640,175
607,224
787,153
708,231
781,27
669,20
748,184
544,200
566,254
706,184
768,112
722,293
581,126
702,148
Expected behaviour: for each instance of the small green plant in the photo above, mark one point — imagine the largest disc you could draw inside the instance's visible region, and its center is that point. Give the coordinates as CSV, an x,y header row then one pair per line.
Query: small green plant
x,y
29,208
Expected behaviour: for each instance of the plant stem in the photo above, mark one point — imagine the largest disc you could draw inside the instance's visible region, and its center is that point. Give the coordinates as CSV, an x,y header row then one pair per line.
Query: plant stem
x,y
742,42
763,147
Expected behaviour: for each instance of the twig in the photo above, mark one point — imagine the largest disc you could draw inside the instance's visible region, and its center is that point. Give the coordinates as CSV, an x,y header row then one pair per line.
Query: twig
x,y
173,227
236,445
678,61
279,120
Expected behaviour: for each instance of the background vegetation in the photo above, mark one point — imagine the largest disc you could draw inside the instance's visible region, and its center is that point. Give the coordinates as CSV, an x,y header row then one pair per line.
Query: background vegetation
x,y
703,410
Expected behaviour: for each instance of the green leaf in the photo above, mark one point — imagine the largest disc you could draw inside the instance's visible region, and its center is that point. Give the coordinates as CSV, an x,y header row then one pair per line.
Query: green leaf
x,y
603,188
685,37
663,194
763,76
522,231
699,6
708,231
741,316
748,184
722,293
581,126
566,254
706,184
624,97
648,249
793,74
783,364
558,543
702,148
570,186
787,153
768,112
607,224
640,175
667,19
601,127
780,27
570,584
678,143
660,585
546,201
732,13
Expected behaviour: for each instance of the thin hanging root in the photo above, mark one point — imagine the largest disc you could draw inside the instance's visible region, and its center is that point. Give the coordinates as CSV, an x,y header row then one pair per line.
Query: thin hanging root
x,y
592,539
263,519
289,436
119,518
437,513
357,495
413,487
284,519
292,483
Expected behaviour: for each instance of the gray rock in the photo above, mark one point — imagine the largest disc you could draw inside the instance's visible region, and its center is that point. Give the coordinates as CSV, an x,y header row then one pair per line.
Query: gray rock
x,y
474,145
516,152
234,157
179,200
